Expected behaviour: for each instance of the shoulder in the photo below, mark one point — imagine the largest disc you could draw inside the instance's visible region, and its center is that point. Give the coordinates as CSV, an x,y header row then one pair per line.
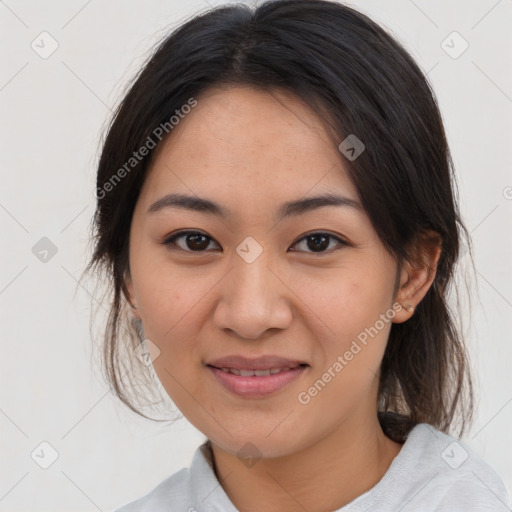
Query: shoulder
x,y
188,490
174,490
447,474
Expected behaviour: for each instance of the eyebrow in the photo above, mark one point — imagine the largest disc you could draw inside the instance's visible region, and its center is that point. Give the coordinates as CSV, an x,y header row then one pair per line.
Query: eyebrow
x,y
288,209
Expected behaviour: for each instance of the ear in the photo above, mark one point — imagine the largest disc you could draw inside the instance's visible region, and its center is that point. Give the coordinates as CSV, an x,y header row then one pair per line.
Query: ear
x,y
418,275
131,296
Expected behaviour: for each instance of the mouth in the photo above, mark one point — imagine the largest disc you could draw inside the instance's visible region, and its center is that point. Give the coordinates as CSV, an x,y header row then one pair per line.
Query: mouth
x,y
257,373
255,378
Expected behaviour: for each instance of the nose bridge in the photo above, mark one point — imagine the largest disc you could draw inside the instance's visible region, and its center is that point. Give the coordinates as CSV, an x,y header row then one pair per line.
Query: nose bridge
x,y
252,280
252,298
251,275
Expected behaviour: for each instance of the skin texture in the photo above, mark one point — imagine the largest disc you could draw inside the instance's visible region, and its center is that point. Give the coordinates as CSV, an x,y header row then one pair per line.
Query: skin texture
x,y
251,150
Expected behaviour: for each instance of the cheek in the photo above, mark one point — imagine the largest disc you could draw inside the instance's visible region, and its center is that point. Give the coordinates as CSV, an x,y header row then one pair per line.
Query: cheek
x,y
168,295
347,308
345,301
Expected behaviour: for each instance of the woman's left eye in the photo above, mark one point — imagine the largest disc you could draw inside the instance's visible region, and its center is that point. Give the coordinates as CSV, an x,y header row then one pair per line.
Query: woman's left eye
x,y
195,241
320,242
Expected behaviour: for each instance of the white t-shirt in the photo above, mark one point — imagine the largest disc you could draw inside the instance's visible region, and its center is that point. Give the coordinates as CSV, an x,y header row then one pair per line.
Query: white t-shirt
x,y
432,472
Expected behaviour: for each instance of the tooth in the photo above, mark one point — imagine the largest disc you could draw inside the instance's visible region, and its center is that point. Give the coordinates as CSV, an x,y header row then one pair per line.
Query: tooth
x,y
258,373
261,373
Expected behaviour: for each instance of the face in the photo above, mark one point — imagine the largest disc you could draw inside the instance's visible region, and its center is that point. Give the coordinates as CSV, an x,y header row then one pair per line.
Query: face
x,y
308,285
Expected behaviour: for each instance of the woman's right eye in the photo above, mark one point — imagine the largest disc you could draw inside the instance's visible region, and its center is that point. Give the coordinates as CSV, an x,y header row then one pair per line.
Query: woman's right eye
x,y
190,241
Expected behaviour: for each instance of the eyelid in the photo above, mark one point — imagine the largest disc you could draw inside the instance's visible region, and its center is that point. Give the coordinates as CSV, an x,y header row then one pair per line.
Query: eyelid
x,y
170,240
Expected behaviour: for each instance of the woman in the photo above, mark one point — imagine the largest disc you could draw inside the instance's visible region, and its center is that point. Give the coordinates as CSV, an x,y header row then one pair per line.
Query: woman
x,y
277,216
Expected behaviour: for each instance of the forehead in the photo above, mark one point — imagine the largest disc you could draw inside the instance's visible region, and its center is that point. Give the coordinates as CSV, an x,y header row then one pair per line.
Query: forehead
x,y
243,142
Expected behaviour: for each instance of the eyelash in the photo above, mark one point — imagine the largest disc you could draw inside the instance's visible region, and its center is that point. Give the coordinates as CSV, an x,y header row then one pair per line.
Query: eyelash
x,y
170,241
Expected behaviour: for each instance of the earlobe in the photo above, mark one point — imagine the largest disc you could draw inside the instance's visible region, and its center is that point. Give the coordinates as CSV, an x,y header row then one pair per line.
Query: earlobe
x,y
418,276
131,297
135,310
404,305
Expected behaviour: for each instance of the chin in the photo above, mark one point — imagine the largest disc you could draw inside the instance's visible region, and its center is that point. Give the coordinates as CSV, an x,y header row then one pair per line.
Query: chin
x,y
257,443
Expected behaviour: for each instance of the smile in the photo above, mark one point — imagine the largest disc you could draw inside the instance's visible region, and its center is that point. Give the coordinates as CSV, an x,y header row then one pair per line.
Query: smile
x,y
256,383
257,373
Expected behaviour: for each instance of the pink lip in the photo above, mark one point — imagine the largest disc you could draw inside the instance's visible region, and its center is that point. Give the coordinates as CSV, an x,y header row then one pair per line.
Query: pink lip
x,y
256,386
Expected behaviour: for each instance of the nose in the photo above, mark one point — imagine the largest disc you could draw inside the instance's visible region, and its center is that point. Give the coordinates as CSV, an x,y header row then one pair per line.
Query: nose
x,y
253,299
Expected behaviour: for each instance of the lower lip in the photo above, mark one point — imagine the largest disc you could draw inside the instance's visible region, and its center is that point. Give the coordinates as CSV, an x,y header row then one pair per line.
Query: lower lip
x,y
256,386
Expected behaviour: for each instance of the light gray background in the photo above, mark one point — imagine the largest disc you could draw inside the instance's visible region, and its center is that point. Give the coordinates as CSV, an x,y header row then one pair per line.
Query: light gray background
x,y
53,111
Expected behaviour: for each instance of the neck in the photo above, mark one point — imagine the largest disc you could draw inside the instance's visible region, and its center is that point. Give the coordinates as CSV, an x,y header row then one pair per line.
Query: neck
x,y
324,476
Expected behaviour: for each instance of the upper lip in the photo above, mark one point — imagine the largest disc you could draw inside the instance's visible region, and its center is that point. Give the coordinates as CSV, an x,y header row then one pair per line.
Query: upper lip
x,y
259,363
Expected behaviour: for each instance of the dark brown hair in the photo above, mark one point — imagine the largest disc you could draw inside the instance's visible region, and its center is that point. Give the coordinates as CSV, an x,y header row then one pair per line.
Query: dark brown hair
x,y
360,81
